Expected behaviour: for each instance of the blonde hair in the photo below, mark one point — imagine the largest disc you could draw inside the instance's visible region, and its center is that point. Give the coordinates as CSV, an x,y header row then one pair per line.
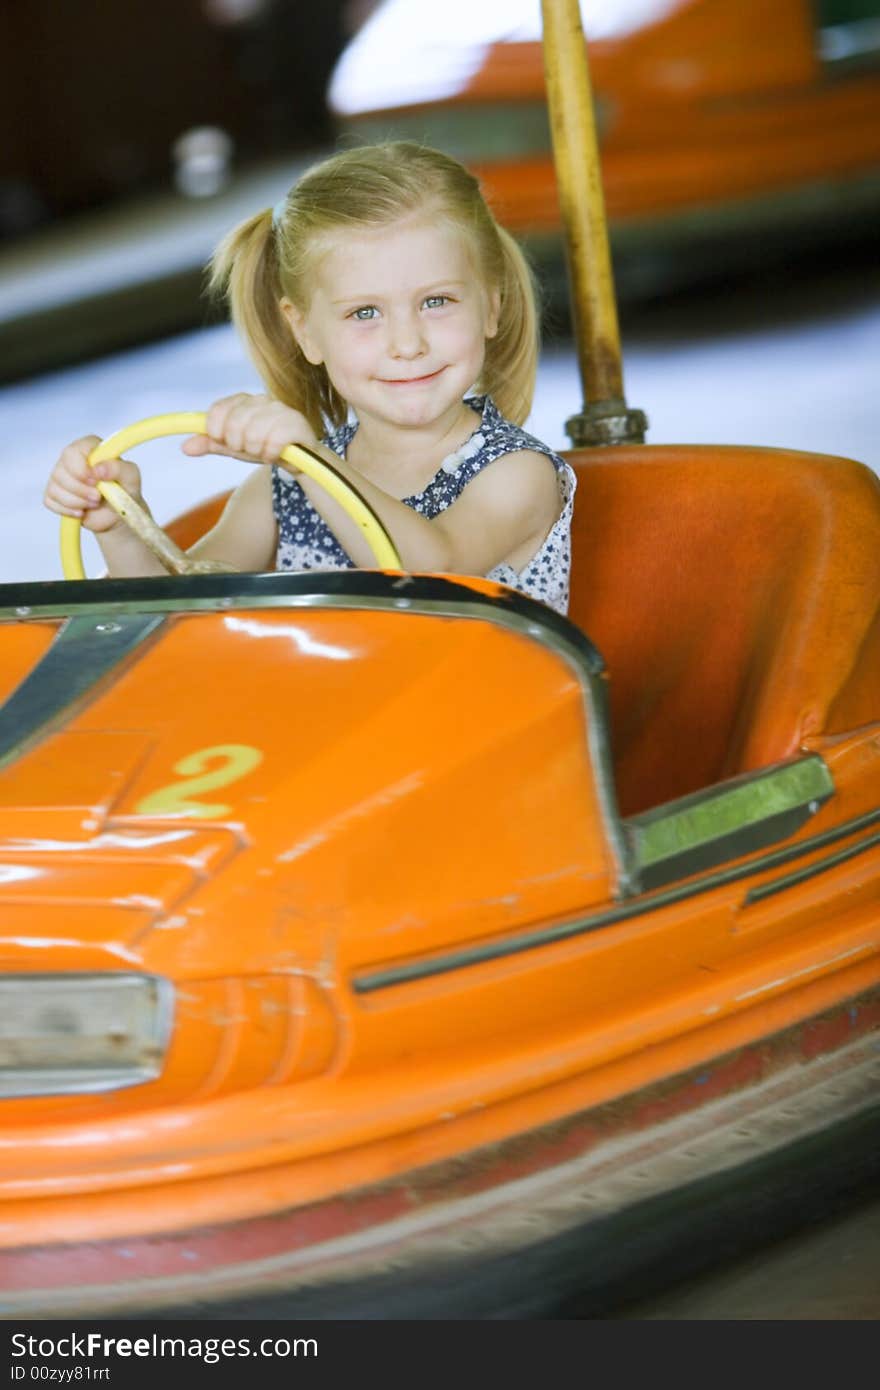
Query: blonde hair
x,y
270,256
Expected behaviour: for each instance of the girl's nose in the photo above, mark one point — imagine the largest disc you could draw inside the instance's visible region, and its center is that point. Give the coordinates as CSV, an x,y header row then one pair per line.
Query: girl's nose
x,y
407,337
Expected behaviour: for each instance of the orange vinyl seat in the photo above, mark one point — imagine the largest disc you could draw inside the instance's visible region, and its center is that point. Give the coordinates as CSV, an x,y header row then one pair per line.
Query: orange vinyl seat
x,y
734,594
189,526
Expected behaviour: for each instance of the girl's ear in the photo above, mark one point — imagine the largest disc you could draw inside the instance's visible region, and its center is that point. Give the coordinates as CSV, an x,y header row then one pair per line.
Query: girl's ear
x,y
297,322
493,311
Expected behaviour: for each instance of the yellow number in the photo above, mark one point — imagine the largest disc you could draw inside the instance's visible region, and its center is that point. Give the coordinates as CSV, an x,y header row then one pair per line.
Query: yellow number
x,y
173,800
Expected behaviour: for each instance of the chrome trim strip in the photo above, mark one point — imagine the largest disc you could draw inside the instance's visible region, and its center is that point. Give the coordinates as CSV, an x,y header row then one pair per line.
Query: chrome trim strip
x,y
371,980
778,885
354,589
191,593
86,649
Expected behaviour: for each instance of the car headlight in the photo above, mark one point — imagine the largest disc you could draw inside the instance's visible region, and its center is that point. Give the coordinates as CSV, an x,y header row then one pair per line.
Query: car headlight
x,y
66,1034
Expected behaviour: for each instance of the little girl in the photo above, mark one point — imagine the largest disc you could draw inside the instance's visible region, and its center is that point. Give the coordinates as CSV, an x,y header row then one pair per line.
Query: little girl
x,y
374,301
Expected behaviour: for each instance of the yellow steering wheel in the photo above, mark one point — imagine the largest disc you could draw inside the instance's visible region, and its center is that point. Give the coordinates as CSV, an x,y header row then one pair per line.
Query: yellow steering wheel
x,y
162,546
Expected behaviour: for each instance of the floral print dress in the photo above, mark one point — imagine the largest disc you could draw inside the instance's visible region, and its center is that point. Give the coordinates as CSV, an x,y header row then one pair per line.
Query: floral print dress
x,y
305,541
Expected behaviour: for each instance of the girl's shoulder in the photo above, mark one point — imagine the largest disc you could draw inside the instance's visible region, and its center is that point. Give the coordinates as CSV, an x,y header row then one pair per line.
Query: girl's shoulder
x,y
493,438
498,435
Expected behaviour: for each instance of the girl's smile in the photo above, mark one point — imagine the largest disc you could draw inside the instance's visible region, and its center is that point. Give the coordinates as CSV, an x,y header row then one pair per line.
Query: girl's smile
x,y
412,380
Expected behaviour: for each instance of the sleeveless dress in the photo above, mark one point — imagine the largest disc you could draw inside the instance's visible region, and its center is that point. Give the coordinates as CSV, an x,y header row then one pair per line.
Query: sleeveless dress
x,y
305,541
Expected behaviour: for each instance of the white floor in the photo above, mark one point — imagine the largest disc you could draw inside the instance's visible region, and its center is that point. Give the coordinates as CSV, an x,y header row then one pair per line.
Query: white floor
x,y
810,385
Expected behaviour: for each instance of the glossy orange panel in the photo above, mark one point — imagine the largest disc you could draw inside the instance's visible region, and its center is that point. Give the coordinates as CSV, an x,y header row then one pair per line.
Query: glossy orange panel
x,y
64,786
341,782
23,644
63,935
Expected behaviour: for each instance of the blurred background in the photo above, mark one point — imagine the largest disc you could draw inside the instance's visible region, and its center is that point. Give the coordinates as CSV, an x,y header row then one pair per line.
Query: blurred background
x,y
741,167
735,136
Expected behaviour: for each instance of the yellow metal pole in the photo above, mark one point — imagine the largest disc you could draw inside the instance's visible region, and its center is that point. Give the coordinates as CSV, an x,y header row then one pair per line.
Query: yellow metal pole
x,y
605,418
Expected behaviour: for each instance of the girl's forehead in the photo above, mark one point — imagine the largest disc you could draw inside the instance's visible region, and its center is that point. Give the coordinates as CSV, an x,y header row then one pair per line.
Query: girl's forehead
x,y
392,252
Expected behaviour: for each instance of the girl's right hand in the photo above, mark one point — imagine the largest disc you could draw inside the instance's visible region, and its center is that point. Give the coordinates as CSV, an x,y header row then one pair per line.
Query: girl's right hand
x,y
71,489
255,429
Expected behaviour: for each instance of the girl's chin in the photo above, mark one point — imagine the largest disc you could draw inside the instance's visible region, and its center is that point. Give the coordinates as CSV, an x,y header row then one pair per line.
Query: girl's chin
x,y
416,417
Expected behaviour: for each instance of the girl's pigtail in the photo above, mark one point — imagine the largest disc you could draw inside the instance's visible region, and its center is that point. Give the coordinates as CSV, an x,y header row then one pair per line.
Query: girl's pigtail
x,y
245,269
511,364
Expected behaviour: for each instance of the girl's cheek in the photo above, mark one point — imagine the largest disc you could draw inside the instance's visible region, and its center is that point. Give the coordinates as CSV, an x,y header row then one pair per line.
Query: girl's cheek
x,y
362,352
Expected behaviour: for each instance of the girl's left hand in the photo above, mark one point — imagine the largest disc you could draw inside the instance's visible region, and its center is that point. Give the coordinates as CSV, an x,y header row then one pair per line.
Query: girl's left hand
x,y
252,428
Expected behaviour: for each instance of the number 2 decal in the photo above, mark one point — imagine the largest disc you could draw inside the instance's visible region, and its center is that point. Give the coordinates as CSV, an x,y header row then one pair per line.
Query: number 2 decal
x,y
198,776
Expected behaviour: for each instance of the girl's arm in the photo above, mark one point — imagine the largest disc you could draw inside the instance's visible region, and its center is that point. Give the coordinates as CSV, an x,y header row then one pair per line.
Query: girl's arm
x,y
502,516
245,536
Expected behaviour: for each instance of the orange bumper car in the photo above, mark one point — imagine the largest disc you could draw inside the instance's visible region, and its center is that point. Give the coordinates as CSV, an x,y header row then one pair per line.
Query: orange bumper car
x,y
370,944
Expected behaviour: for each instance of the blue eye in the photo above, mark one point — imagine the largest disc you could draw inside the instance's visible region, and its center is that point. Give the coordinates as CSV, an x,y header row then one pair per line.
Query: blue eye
x,y
436,301
364,314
